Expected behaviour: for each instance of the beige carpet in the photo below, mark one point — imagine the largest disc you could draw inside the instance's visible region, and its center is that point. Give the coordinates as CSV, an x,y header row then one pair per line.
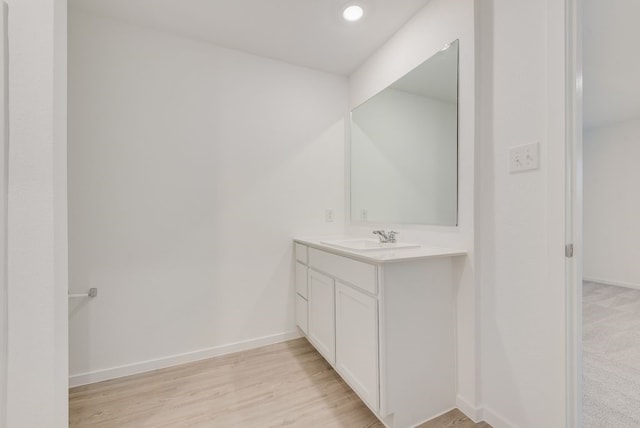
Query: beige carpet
x,y
611,322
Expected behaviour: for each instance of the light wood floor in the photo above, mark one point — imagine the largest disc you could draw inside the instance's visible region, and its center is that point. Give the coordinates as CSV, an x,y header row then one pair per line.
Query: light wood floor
x,y
287,384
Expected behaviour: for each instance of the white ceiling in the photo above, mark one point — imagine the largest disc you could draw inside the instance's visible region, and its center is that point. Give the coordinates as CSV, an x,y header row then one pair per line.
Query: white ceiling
x,y
310,33
611,61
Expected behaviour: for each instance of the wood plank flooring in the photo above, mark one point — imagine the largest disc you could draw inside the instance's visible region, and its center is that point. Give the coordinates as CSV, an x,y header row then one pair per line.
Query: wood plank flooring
x,y
284,385
453,419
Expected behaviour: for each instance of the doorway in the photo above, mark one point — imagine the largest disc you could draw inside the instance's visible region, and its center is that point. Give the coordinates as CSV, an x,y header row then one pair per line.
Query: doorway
x,y
602,210
611,207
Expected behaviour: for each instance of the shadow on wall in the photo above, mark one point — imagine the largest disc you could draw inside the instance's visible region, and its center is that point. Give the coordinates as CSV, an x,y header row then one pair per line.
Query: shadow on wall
x,y
191,168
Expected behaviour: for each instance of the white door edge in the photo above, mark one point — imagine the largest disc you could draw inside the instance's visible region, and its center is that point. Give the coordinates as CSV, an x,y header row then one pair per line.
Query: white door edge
x,y
573,219
4,151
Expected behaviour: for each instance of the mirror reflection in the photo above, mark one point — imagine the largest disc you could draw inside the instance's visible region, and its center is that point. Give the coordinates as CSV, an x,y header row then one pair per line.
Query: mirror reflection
x,y
404,147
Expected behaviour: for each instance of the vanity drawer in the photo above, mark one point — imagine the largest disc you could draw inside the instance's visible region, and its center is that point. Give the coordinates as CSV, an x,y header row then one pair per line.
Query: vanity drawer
x,y
301,279
360,274
301,253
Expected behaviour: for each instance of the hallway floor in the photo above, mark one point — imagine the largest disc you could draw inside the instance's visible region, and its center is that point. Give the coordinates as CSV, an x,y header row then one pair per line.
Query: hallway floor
x,y
611,323
287,384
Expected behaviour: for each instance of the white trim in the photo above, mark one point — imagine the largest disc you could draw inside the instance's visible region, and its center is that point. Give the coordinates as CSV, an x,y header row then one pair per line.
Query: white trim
x,y
496,420
574,211
347,171
613,282
174,360
4,151
470,411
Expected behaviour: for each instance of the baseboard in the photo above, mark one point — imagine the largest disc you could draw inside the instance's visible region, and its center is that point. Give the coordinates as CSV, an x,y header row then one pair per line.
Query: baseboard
x,y
469,411
495,420
610,282
174,360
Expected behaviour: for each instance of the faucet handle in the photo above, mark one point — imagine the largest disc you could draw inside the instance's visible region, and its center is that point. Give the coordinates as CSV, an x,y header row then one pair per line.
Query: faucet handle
x,y
392,236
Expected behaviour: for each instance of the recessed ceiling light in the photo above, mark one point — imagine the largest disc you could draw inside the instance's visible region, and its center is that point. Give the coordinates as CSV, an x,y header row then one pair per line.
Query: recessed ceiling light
x,y
353,13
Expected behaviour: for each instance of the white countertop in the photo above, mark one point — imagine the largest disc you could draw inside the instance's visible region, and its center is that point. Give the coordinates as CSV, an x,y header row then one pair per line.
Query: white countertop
x,y
381,256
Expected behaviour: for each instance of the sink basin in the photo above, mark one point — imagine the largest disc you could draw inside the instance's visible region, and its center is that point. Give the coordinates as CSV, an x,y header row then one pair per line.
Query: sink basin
x,y
369,244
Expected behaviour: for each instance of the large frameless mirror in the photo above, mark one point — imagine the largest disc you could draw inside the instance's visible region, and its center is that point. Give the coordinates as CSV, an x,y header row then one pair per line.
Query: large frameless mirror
x,y
404,147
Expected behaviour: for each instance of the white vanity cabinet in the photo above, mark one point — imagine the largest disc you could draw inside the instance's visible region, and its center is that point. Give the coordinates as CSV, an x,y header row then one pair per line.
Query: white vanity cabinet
x,y
321,311
385,322
302,289
357,341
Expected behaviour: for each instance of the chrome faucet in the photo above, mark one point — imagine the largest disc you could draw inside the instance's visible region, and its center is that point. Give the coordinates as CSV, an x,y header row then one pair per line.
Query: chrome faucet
x,y
382,235
386,238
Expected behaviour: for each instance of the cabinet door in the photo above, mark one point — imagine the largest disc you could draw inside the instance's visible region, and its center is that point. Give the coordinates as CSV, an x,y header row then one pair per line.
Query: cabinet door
x,y
301,313
301,279
357,342
321,307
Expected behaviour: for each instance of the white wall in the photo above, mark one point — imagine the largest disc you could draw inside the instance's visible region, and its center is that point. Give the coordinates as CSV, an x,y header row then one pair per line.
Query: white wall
x,y
612,204
439,23
521,216
37,257
191,168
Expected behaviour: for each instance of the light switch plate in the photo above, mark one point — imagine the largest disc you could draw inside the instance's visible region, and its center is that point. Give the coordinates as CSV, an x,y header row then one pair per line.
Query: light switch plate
x,y
524,158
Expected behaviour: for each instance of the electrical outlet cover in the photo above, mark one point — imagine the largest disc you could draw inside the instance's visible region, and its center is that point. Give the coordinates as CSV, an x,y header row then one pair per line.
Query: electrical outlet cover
x,y
328,215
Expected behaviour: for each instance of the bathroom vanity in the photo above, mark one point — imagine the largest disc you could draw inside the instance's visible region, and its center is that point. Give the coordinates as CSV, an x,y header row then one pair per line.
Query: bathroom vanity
x,y
384,318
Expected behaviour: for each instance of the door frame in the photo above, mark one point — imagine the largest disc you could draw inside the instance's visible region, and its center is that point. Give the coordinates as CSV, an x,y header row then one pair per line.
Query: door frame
x,y
573,205
4,170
